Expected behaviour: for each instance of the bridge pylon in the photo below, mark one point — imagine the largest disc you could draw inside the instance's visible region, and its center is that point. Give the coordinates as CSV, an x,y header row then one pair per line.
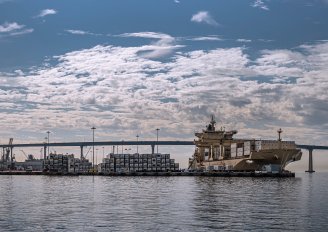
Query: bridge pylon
x,y
310,170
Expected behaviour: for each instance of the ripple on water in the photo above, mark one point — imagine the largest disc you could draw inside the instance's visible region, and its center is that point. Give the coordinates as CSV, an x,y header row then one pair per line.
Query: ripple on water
x,y
83,203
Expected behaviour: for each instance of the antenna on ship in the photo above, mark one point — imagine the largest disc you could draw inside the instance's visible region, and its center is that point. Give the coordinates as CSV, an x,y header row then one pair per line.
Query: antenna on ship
x,y
213,122
279,133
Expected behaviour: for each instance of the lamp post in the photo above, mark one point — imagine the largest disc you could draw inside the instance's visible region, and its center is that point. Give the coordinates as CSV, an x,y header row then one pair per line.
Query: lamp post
x,y
157,138
48,132
122,146
96,156
103,152
137,143
93,149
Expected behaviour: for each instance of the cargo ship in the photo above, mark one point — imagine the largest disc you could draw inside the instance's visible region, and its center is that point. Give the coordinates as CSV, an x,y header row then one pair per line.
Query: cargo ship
x,y
217,150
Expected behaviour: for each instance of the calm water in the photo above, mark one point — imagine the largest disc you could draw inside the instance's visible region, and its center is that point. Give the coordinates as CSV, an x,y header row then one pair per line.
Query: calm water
x,y
41,203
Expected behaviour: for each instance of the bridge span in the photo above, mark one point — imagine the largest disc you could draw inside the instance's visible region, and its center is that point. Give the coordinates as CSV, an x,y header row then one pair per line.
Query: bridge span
x,y
151,143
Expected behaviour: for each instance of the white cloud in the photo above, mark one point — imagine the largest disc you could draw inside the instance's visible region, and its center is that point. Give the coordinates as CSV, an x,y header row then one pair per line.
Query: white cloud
x,y
176,1
204,17
14,29
149,34
122,91
244,40
281,63
163,46
206,38
22,32
260,4
46,12
77,32
8,27
80,32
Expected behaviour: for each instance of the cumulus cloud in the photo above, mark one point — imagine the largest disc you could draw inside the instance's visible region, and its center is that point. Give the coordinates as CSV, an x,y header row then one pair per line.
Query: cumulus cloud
x,y
14,29
125,92
260,4
164,44
46,12
204,17
8,27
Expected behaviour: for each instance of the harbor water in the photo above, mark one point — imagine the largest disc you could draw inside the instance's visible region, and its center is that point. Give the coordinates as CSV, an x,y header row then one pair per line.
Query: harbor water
x,y
103,203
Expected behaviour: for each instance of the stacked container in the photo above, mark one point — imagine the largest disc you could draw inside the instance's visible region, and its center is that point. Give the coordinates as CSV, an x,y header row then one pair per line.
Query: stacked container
x,y
59,163
258,145
138,163
233,150
247,147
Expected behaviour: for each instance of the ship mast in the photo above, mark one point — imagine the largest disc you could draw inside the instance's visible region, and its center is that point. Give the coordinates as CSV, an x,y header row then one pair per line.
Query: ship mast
x,y
213,122
279,134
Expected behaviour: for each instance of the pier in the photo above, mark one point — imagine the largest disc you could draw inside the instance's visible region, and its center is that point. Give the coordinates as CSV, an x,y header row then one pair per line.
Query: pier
x,y
150,143
163,174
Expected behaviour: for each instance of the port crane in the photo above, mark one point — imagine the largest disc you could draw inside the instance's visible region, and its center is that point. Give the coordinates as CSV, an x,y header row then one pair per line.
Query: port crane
x,y
24,154
7,155
87,153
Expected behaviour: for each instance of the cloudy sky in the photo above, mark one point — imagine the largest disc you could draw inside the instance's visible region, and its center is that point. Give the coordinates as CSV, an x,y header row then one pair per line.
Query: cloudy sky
x,y
128,67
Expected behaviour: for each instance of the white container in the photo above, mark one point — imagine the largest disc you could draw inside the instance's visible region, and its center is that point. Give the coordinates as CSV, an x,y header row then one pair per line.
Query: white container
x,y
247,152
233,154
240,151
247,145
233,148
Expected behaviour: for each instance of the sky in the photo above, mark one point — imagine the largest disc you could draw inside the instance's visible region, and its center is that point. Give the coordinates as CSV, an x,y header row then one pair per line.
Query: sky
x,y
128,67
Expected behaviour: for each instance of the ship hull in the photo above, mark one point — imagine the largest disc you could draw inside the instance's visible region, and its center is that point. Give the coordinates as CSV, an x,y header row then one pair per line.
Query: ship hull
x,y
218,150
274,160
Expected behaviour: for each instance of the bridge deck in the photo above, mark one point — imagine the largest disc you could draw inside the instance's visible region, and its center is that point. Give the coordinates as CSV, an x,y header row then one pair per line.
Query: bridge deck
x,y
131,143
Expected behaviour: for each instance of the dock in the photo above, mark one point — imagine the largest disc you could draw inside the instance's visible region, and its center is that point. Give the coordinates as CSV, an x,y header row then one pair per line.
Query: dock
x,y
161,174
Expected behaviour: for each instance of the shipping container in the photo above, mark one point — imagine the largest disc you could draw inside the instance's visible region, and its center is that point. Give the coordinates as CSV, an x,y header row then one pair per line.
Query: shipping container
x,y
240,151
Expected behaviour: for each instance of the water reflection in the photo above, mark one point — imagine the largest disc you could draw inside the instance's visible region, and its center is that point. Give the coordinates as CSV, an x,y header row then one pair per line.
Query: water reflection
x,y
42,203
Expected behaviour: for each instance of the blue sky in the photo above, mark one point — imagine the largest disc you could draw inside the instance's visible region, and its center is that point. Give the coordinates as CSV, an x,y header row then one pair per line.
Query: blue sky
x,y
128,67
